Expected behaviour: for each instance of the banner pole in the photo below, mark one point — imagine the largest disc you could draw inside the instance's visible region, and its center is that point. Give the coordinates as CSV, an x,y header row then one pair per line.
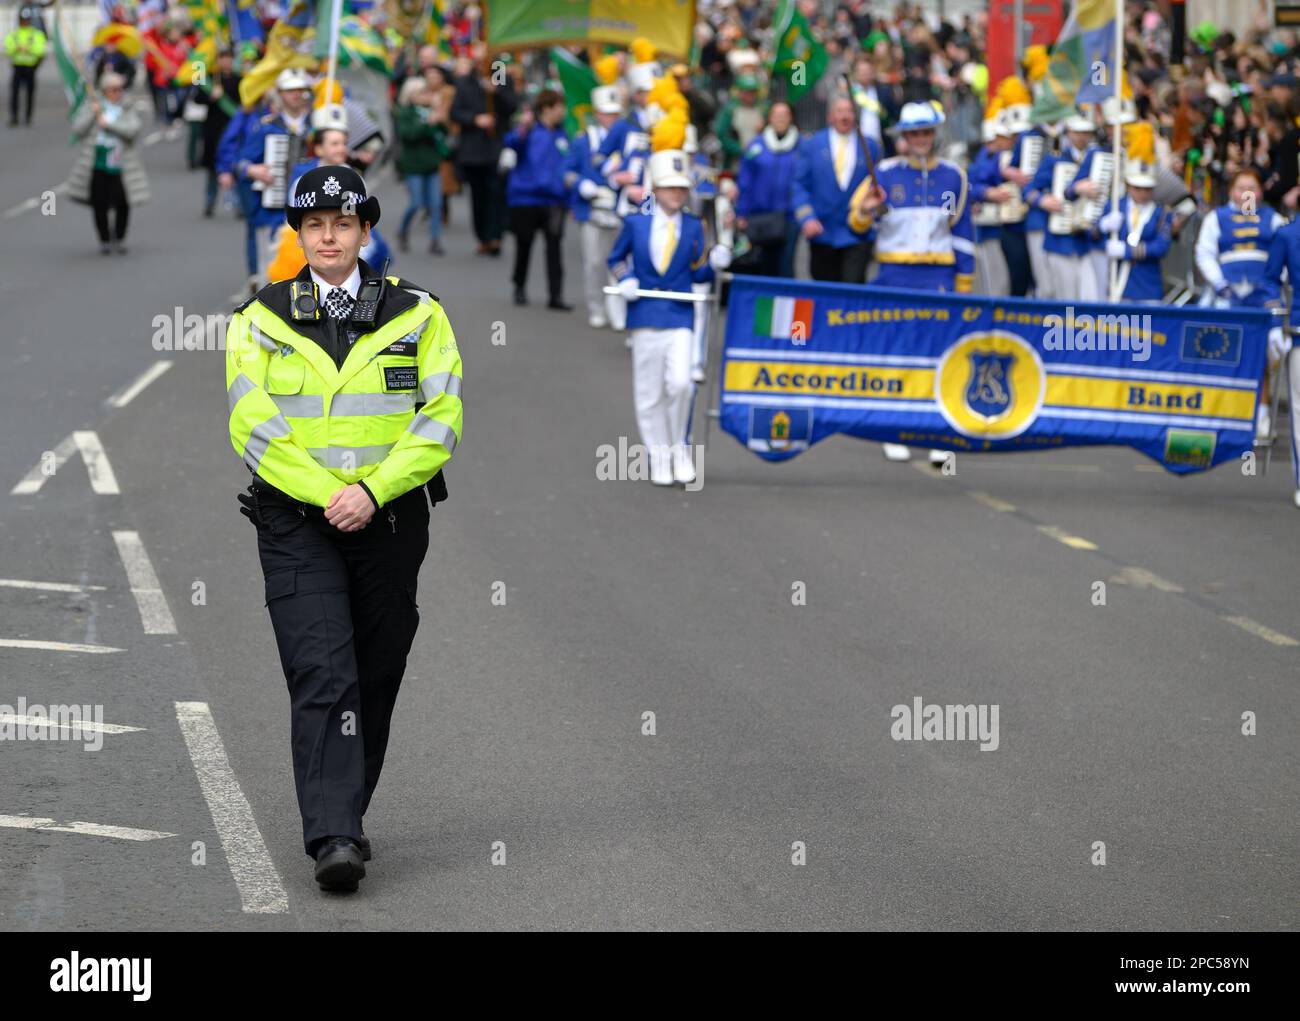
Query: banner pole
x,y
336,14
1119,139
715,309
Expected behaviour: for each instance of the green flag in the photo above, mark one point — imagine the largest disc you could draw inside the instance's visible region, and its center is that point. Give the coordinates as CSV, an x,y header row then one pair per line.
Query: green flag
x,y
577,80
800,59
74,86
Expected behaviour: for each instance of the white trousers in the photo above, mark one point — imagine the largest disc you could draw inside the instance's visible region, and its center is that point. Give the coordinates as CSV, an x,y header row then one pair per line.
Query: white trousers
x,y
1072,277
992,276
596,245
1293,396
1038,263
661,381
700,342
1100,272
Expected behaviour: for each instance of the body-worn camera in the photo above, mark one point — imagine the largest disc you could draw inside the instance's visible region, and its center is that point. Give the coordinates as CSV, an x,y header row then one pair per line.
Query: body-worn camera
x,y
303,300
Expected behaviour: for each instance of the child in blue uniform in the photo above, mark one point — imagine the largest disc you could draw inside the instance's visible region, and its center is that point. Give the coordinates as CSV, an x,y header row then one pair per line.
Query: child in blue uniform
x,y
664,250
1145,234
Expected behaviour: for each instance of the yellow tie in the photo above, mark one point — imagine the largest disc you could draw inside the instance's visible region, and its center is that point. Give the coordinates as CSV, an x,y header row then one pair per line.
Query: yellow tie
x,y
841,151
670,246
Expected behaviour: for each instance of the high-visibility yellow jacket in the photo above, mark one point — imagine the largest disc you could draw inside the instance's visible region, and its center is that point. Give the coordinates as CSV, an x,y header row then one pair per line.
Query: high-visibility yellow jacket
x,y
25,45
391,416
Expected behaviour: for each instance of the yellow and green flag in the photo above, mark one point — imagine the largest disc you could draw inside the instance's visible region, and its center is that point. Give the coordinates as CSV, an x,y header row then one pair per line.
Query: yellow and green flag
x,y
1082,65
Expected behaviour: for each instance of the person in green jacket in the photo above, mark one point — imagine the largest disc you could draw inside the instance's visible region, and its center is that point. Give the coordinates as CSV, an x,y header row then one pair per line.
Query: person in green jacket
x,y
25,46
422,131
740,121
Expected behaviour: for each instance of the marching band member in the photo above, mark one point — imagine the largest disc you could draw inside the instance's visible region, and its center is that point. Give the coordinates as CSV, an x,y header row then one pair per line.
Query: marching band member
x,y
593,206
1145,234
1036,218
1232,247
664,250
988,193
1232,255
919,207
1116,116
294,94
832,166
1036,63
1068,275
1284,262
1013,239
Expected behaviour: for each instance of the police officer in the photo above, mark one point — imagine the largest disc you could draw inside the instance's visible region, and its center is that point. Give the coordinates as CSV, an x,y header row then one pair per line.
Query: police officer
x,y
25,46
345,401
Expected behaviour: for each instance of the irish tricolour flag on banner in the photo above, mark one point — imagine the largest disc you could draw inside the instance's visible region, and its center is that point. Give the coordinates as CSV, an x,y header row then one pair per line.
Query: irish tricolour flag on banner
x,y
789,318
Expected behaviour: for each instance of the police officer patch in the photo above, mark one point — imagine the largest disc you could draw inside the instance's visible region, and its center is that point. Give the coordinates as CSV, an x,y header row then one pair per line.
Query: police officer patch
x,y
401,377
331,187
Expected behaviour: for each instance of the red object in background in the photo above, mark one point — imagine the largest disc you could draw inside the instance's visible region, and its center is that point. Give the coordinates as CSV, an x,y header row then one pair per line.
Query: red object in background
x,y
1042,16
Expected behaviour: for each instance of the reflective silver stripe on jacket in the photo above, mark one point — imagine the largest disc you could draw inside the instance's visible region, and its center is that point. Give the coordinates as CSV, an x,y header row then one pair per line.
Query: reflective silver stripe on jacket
x,y
300,405
426,428
349,458
263,339
260,438
239,386
371,404
438,383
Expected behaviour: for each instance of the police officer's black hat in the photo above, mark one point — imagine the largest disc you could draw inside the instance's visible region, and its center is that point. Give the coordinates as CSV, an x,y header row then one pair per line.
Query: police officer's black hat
x,y
329,187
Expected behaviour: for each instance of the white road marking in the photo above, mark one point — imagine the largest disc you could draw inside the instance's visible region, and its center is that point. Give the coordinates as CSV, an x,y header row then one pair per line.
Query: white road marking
x,y
36,478
32,202
49,586
121,400
991,502
92,829
1060,535
154,612
22,207
1140,577
29,643
259,884
98,467
102,479
85,725
1260,631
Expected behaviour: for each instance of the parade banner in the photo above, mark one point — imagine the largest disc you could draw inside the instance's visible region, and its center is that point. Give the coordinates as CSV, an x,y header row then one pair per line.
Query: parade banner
x,y
524,24
804,360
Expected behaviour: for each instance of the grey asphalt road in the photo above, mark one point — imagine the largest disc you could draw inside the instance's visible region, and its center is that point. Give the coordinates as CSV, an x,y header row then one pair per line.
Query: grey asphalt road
x,y
519,731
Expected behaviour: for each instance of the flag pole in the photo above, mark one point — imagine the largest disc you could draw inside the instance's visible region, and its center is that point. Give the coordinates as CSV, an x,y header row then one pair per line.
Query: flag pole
x,y
336,14
1119,139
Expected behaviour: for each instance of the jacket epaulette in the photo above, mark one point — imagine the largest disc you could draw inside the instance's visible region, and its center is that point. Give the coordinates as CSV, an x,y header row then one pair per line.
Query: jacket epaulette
x,y
416,289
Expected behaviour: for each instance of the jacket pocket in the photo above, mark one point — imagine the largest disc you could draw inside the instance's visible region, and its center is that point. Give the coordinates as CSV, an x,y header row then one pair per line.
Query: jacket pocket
x,y
285,375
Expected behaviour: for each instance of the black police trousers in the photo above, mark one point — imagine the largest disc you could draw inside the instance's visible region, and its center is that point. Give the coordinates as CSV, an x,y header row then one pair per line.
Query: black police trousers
x,y
344,612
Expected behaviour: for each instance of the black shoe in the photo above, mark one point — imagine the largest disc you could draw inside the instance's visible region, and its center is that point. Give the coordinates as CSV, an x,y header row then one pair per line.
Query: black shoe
x,y
364,843
207,212
403,241
435,247
520,297
339,865
559,305
105,248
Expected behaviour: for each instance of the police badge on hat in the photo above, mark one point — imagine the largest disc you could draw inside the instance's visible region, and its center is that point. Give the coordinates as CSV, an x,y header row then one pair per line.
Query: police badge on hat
x,y
329,187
